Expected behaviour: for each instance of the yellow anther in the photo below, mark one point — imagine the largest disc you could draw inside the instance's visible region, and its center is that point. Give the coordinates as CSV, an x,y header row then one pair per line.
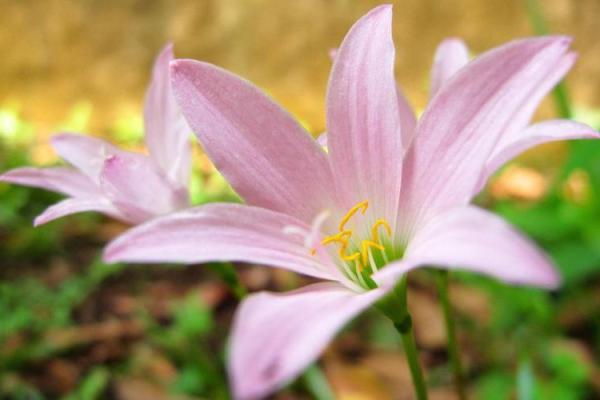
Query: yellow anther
x,y
365,244
341,237
313,251
375,229
344,256
361,256
362,206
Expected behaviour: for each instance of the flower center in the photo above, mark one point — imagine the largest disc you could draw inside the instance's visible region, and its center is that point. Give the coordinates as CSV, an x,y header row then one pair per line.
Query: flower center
x,y
360,257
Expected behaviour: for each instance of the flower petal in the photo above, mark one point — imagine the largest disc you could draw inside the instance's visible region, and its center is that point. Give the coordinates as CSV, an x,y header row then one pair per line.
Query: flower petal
x,y
56,179
476,240
408,119
221,232
464,121
547,81
407,116
167,133
322,139
451,55
543,132
85,153
135,185
276,336
364,128
266,156
76,205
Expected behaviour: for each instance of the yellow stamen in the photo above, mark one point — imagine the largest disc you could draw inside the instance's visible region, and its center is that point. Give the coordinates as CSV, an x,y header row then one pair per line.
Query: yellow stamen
x,y
375,229
341,237
345,256
362,206
365,249
361,257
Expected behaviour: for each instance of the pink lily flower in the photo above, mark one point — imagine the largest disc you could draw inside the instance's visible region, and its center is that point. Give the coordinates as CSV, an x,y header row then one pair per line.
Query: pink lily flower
x,y
390,195
128,186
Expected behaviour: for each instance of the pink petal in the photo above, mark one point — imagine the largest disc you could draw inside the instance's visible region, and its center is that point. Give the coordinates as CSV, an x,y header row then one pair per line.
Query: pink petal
x,y
543,132
85,153
77,205
406,116
464,121
365,132
408,119
221,232
56,179
276,336
450,56
265,155
322,139
473,239
550,79
167,133
135,185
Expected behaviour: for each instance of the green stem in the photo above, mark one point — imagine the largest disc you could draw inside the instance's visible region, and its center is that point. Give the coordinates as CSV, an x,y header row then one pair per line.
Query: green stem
x,y
457,369
536,17
525,380
395,307
229,275
316,383
410,349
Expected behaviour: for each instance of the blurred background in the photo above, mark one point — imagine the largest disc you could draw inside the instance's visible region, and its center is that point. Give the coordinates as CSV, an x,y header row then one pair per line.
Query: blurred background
x,y
72,327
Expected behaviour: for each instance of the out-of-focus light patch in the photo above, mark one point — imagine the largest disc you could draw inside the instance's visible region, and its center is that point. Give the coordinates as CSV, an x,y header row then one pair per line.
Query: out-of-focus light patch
x,y
301,120
13,129
576,188
520,183
589,116
43,154
128,128
207,184
78,118
9,124
217,187
201,162
196,188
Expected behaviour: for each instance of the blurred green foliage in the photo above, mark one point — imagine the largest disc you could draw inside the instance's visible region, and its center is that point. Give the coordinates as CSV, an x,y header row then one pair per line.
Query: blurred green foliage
x,y
525,322
186,341
33,310
568,229
525,348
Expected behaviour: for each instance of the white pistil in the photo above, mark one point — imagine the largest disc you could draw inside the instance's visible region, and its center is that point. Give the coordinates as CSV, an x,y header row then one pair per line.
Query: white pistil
x,y
349,272
372,260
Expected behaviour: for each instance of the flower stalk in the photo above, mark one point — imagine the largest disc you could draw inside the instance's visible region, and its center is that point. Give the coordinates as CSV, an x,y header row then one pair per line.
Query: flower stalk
x,y
441,280
229,276
316,383
395,307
